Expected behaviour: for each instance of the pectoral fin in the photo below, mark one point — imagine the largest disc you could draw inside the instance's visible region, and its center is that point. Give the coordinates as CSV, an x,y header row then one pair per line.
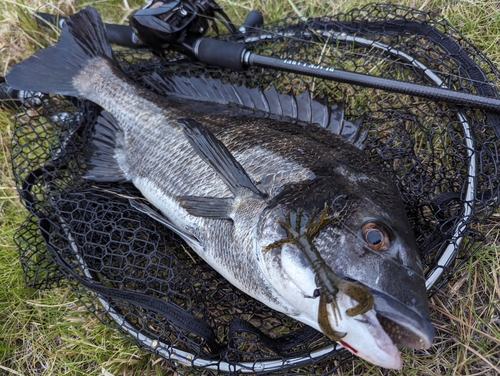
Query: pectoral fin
x,y
215,153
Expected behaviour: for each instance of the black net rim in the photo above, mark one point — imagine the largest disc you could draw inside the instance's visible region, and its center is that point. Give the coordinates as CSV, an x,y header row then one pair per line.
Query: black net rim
x,y
437,276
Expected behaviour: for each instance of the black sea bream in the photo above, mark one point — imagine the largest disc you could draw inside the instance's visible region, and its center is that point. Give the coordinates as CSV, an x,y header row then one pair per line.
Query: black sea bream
x,y
293,215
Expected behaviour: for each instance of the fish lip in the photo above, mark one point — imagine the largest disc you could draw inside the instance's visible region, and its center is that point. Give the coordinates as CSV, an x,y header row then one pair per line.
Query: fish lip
x,y
368,340
384,342
411,321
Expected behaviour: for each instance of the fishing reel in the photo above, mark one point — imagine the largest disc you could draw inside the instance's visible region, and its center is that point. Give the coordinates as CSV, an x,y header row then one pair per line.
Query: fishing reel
x,y
161,24
445,159
181,25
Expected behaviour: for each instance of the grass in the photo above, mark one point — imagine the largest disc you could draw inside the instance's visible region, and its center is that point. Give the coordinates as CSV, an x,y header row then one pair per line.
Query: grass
x,y
48,332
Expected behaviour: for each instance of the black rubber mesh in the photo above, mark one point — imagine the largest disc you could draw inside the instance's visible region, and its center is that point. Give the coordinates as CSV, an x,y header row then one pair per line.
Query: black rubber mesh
x,y
89,233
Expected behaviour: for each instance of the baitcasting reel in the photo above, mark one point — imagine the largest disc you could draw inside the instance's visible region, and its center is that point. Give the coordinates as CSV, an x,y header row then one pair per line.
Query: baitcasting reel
x,y
176,22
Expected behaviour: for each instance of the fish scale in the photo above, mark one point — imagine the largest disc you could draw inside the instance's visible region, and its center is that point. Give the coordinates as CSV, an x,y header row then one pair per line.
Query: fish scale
x,y
290,213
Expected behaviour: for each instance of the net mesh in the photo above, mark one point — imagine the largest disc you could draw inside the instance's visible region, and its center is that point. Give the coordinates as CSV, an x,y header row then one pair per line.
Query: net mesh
x,y
141,279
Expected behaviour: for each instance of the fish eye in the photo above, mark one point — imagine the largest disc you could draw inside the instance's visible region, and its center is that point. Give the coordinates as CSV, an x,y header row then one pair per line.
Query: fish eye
x,y
375,236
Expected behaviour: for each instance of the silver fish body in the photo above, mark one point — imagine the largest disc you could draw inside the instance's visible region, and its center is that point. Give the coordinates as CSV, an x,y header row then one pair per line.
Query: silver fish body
x,y
294,216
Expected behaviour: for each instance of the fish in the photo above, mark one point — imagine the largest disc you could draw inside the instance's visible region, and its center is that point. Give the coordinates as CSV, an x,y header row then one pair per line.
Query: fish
x,y
295,216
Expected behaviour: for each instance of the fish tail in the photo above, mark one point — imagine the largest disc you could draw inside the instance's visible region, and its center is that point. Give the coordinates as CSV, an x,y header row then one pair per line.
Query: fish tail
x,y
51,70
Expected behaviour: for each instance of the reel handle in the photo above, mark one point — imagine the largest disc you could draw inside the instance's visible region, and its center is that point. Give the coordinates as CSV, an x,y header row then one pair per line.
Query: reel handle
x,y
253,19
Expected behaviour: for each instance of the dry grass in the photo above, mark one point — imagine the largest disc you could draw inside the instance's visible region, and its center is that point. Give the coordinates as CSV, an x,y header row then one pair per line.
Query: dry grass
x,y
48,332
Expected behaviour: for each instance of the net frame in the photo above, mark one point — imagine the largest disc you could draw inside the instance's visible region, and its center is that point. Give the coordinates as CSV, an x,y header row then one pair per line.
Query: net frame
x,y
68,122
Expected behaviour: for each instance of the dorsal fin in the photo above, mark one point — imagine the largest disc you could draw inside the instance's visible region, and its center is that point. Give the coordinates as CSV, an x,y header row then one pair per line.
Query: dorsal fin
x,y
286,107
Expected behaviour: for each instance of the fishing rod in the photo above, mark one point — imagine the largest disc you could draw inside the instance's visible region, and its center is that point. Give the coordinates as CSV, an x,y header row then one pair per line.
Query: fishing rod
x,y
181,25
187,37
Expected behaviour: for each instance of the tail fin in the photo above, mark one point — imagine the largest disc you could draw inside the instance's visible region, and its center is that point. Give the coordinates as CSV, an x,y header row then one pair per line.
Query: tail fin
x,y
52,69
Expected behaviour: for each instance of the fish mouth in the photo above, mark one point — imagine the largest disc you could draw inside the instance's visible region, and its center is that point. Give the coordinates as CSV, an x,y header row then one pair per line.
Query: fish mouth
x,y
391,324
403,325
365,337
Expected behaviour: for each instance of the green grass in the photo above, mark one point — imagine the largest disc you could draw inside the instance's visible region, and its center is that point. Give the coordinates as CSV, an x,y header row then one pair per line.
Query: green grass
x,y
48,332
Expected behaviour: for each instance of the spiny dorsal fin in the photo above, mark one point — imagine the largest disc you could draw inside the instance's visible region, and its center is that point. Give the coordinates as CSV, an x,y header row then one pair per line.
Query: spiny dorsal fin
x,y
285,107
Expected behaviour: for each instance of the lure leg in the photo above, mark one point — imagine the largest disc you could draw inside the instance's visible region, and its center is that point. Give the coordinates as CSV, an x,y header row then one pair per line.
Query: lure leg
x,y
329,284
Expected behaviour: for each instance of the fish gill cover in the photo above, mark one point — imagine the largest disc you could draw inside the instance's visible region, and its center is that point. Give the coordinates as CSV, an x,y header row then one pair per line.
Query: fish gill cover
x,y
444,160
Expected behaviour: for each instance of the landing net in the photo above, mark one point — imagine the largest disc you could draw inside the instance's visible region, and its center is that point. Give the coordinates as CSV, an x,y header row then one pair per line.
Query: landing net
x,y
141,279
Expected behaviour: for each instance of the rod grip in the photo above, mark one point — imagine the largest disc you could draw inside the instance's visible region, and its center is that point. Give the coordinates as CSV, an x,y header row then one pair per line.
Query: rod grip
x,y
121,35
220,53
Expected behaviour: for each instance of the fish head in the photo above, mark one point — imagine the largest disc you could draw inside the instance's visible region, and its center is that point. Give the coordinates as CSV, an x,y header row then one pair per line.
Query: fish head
x,y
345,257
